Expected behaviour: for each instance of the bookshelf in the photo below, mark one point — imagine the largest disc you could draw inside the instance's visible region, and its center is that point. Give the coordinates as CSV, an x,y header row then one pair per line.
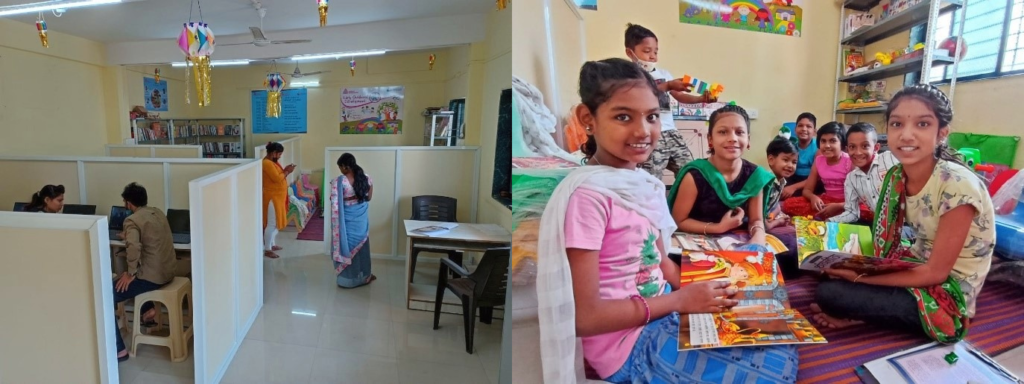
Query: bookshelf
x,y
437,130
222,138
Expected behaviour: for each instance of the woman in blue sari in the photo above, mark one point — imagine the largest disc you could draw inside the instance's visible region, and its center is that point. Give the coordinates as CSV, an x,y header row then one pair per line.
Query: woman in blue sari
x,y
350,203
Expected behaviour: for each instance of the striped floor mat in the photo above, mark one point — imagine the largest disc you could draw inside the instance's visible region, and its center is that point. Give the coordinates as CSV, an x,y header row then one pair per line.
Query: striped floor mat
x,y
996,328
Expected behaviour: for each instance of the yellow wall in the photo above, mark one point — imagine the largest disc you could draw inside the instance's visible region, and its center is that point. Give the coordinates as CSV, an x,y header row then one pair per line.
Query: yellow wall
x,y
492,63
232,88
52,100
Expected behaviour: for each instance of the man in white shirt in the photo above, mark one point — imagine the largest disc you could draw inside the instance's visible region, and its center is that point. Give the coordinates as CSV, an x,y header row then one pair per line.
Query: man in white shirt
x,y
864,182
671,151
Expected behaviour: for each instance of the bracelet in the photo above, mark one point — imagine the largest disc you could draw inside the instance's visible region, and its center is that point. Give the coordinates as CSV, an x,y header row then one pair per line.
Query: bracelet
x,y
647,309
858,277
706,228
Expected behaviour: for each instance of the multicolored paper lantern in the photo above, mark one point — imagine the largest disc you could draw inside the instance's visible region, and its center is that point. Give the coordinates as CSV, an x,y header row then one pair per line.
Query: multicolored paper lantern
x,y
196,41
274,84
321,6
431,59
41,27
352,66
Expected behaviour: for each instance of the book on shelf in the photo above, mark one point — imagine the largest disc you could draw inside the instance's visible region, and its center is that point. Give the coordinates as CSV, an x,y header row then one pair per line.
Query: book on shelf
x,y
823,245
930,363
195,129
763,315
435,230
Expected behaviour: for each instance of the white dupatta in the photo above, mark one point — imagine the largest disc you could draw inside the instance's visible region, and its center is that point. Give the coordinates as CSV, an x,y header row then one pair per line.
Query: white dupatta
x,y
636,190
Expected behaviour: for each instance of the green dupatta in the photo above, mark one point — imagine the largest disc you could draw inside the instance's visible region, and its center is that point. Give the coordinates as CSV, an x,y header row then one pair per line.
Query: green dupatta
x,y
758,183
942,307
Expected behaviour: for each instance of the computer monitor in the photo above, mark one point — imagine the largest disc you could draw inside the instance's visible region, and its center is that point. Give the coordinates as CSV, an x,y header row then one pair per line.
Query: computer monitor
x,y
75,209
117,216
179,220
19,207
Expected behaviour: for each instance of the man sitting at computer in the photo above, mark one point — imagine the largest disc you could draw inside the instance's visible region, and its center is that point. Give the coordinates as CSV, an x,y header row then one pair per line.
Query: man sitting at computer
x,y
149,249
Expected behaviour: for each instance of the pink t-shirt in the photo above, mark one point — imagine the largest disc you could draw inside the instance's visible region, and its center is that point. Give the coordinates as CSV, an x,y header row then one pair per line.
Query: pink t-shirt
x,y
834,176
629,264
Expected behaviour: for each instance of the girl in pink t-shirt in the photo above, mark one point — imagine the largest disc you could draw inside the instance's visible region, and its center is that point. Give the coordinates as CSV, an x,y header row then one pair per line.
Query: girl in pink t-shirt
x,y
608,224
830,167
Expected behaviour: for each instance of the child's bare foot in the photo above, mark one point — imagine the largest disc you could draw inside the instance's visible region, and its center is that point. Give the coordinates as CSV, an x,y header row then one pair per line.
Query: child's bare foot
x,y
825,320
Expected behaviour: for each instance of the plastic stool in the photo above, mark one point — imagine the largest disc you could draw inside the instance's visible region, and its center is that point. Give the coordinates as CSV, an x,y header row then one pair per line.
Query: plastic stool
x,y
171,296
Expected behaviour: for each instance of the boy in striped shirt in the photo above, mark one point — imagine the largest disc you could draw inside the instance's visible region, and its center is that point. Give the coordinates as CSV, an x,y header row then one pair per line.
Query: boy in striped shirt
x,y
864,182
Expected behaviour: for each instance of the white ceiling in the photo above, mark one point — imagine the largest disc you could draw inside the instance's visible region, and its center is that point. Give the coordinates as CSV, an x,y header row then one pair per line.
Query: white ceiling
x,y
140,20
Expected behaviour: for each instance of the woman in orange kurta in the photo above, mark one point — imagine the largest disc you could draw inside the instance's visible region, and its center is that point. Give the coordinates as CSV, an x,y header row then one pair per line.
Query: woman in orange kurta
x,y
275,197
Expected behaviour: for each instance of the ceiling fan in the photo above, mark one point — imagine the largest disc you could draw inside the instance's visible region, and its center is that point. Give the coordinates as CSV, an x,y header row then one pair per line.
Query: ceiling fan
x,y
298,74
259,39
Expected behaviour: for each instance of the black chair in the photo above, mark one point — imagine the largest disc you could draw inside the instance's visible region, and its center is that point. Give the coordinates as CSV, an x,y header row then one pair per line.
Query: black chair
x,y
484,289
433,208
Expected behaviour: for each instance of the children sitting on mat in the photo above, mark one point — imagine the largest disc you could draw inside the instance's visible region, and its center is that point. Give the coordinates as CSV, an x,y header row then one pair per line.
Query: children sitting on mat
x,y
865,180
602,244
723,192
949,209
782,159
831,167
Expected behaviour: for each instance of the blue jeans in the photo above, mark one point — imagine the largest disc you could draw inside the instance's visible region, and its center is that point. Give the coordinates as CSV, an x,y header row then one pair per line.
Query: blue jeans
x,y
135,288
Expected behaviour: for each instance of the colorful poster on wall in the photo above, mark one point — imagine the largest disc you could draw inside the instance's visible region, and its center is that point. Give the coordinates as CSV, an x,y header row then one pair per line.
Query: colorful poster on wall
x,y
780,17
293,112
372,110
155,93
587,4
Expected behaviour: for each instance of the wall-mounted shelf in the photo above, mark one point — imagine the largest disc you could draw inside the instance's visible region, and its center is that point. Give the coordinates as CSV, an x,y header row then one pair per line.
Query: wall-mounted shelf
x,y
860,5
861,111
903,21
895,69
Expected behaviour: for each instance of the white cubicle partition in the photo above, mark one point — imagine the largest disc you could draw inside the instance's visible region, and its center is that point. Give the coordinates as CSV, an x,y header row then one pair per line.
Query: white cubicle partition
x,y
155,151
57,290
398,174
99,180
227,263
292,154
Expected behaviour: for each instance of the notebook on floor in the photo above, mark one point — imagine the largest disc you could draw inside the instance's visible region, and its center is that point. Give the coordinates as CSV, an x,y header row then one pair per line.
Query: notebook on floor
x,y
117,216
179,221
935,363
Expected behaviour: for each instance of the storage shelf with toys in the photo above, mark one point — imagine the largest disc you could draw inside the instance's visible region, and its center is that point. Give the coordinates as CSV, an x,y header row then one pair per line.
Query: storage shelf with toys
x,y
219,137
900,21
895,69
870,21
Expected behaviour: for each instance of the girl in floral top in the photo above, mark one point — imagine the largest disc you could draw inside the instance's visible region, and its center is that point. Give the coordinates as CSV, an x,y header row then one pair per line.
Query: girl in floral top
x,y
602,275
935,193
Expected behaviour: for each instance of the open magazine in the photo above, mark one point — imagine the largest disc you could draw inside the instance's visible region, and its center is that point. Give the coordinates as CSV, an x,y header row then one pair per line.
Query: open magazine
x,y
763,315
823,245
723,242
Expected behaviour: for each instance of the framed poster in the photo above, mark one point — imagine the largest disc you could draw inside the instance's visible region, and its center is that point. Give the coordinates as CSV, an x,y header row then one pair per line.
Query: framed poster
x,y
778,17
155,93
372,110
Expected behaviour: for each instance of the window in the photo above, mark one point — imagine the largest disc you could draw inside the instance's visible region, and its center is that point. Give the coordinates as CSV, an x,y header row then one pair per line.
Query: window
x,y
994,32
501,189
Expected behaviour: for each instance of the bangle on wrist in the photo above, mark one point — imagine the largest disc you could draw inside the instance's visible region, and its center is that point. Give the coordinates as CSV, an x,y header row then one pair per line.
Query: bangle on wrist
x,y
858,277
647,308
706,228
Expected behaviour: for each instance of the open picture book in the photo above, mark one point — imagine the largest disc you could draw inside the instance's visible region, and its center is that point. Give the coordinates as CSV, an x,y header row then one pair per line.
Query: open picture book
x,y
723,242
763,315
823,245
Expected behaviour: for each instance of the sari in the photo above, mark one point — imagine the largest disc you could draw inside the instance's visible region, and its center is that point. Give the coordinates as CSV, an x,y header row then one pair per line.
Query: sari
x,y
350,234
942,307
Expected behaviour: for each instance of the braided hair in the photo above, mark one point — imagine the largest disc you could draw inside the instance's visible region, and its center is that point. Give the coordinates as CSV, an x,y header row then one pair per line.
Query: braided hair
x,y
361,183
940,105
599,80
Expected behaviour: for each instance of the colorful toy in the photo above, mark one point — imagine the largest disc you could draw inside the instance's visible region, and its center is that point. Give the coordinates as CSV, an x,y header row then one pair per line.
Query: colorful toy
x,y
884,58
972,157
701,87
950,44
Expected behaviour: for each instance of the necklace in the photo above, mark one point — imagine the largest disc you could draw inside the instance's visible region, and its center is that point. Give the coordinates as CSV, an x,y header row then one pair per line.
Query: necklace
x,y
597,161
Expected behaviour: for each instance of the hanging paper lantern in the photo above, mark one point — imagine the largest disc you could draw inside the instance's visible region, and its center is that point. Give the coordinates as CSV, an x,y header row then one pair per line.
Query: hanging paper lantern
x,y
274,82
352,66
501,4
41,27
321,6
156,74
432,58
196,41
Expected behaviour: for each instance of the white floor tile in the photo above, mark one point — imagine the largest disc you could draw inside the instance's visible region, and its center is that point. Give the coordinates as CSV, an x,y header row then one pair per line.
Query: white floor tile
x,y
271,363
365,336
156,378
282,324
345,367
1013,360
446,345
419,372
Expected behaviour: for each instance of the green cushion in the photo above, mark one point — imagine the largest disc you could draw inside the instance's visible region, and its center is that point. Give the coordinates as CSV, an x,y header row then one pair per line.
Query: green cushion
x,y
994,149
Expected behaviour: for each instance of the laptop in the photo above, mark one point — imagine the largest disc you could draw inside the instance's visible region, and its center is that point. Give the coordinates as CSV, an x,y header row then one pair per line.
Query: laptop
x,y
117,216
19,207
75,209
180,227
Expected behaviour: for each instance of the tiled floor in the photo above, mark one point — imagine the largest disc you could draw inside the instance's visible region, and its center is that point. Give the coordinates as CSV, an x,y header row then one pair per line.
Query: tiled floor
x,y
311,331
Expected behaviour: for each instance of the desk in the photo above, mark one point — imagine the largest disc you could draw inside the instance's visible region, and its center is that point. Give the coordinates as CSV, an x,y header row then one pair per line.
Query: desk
x,y
177,247
467,237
